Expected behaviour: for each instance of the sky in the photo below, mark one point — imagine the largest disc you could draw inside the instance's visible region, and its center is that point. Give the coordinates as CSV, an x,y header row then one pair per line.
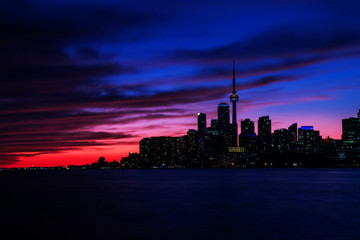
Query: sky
x,y
84,79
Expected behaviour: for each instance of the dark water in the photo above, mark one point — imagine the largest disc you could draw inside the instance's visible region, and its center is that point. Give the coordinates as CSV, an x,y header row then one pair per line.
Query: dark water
x,y
181,204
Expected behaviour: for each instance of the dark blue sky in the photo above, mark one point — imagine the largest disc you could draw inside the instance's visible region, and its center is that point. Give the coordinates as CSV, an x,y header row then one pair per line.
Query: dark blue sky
x,y
83,78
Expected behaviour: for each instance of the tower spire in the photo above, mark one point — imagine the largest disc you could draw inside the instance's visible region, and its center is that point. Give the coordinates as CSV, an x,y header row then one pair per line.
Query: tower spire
x,y
233,76
234,98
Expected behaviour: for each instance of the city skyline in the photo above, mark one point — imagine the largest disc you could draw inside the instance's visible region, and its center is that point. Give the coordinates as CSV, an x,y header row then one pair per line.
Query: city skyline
x,y
235,148
81,81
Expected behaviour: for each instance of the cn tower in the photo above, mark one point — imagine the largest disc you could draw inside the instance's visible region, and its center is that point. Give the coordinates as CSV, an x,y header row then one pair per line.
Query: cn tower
x,y
234,98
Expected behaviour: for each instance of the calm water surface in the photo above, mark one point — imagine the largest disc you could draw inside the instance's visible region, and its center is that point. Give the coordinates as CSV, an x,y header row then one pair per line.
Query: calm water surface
x,y
181,204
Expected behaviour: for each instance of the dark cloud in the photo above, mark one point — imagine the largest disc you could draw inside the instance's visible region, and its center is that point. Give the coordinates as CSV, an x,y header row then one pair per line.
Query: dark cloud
x,y
63,136
217,73
53,48
53,82
70,105
282,43
50,121
152,117
264,81
66,23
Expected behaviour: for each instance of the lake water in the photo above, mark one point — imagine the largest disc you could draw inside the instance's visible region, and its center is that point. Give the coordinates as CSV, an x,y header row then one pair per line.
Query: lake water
x,y
181,204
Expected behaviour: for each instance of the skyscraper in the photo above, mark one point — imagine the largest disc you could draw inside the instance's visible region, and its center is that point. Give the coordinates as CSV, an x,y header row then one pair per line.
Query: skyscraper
x,y
351,131
293,131
309,140
201,122
293,136
282,140
247,127
145,152
223,115
226,130
264,126
264,133
247,137
214,124
162,151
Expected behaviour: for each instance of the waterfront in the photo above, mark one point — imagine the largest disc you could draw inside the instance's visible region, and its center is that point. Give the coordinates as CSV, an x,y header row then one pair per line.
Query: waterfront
x,y
182,204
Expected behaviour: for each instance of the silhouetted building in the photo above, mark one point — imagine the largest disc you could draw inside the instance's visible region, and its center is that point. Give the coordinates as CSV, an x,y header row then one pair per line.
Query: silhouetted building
x,y
161,151
293,131
247,137
226,130
331,145
101,160
264,126
145,152
194,149
102,164
223,115
282,140
233,136
264,134
293,136
247,127
309,139
351,131
201,122
179,152
132,161
214,124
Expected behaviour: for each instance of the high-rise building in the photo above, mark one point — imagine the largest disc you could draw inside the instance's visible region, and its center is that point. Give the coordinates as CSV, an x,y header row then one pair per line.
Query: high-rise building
x,y
309,140
160,148
145,152
293,136
247,127
214,124
247,137
213,129
226,130
351,131
282,140
264,126
162,151
223,115
194,148
264,134
293,131
201,122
